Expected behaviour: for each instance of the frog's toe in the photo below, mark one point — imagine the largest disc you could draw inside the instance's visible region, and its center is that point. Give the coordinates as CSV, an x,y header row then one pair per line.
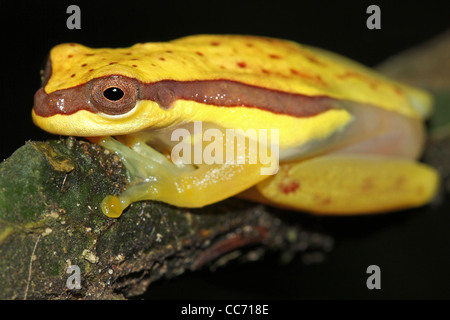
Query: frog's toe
x,y
112,206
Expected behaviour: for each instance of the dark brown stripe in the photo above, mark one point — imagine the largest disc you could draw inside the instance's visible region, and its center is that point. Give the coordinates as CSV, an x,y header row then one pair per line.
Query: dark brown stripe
x,y
226,93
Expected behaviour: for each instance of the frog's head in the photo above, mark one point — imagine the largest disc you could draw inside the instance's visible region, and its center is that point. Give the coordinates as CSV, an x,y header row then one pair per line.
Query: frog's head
x,y
92,92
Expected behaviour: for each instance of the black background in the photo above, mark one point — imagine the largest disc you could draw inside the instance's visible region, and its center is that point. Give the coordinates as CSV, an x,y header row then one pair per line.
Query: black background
x,y
411,247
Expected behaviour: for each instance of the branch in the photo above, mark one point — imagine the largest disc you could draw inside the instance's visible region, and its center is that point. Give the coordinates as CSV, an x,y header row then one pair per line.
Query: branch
x,y
50,219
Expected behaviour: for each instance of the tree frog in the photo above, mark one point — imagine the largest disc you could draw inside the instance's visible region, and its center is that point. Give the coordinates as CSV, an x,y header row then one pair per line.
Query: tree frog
x,y
347,138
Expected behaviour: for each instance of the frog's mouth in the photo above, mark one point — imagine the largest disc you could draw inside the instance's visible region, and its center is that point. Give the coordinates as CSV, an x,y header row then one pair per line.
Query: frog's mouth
x,y
87,124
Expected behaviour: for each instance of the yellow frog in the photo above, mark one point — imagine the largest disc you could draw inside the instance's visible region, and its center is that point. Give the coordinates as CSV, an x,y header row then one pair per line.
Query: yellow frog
x,y
344,140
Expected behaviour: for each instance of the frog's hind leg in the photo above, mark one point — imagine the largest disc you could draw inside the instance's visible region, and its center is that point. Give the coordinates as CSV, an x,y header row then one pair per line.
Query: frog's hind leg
x,y
348,184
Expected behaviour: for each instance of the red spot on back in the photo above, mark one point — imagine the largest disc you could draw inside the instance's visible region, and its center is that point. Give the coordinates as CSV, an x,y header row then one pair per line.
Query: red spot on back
x,y
400,182
241,64
367,184
314,60
274,56
351,74
348,74
265,71
215,43
69,56
73,75
316,78
84,65
290,187
398,91
199,53
162,59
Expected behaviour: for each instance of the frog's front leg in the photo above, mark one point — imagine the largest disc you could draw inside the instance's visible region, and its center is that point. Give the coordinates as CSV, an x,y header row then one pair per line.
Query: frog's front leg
x,y
154,177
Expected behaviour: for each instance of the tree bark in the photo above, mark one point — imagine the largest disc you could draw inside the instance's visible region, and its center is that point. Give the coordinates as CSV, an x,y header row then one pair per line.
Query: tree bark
x,y
50,220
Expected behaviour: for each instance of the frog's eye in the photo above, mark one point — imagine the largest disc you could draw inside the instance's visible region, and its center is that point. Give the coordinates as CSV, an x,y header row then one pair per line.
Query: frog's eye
x,y
114,95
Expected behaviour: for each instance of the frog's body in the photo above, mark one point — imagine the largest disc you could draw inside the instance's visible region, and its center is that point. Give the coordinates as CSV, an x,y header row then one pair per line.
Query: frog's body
x,y
347,136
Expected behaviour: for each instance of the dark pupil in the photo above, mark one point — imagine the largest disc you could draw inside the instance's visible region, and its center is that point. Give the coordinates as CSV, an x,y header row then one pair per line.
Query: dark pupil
x,y
113,94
